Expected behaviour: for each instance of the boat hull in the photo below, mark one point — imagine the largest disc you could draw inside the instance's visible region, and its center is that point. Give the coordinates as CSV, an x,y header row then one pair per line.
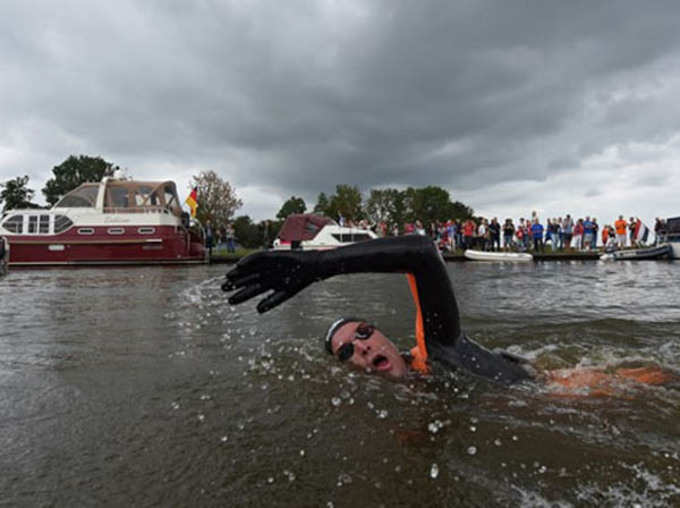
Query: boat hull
x,y
507,257
652,253
675,246
167,245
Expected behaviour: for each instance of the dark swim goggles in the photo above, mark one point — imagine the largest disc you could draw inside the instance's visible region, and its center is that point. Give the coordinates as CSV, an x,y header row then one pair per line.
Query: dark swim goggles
x,y
363,332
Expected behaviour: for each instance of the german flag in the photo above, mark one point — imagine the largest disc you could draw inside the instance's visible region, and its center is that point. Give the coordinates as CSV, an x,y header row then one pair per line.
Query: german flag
x,y
192,202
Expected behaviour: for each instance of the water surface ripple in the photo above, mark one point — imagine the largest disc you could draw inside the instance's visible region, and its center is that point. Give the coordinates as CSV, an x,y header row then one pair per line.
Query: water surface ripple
x,y
144,387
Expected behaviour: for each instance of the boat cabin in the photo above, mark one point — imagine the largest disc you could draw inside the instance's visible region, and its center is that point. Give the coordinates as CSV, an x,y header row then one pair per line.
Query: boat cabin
x,y
108,197
124,196
672,229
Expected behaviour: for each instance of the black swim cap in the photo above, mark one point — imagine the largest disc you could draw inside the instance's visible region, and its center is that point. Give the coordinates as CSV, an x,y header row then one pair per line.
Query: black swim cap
x,y
335,326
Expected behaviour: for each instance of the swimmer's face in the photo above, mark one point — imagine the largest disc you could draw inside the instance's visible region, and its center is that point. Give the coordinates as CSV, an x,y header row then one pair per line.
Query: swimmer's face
x,y
370,350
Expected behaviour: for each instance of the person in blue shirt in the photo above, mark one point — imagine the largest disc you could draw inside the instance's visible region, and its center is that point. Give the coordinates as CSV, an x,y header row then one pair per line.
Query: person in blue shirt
x,y
588,233
537,235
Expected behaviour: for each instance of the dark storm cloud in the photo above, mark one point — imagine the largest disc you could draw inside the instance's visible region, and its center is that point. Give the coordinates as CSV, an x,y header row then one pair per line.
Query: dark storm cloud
x,y
295,97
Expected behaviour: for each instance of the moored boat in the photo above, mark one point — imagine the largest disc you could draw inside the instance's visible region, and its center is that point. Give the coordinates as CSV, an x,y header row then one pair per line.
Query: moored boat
x,y
512,257
663,251
115,221
308,231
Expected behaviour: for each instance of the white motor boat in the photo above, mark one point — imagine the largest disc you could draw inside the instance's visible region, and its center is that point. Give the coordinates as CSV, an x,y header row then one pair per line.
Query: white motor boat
x,y
511,257
308,231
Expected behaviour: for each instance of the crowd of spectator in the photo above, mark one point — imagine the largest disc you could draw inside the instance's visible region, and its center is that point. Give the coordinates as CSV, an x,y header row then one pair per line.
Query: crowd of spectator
x,y
557,234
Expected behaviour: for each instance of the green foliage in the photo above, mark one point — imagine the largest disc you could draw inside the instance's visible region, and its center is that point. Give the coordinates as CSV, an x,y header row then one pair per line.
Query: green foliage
x,y
293,205
15,194
73,172
253,236
429,204
432,203
386,205
322,204
346,202
247,233
216,198
270,229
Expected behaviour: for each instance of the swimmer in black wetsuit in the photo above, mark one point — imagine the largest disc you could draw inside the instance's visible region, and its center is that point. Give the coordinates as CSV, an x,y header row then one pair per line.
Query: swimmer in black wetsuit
x,y
439,337
439,334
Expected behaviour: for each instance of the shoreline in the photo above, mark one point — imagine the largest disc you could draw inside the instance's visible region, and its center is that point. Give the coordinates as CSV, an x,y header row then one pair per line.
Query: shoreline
x,y
228,258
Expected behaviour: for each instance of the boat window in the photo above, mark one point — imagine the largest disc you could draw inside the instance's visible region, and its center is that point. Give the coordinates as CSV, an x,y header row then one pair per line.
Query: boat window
x,y
83,196
44,224
115,231
15,224
147,230
85,231
33,224
61,223
117,197
171,200
351,237
144,196
312,228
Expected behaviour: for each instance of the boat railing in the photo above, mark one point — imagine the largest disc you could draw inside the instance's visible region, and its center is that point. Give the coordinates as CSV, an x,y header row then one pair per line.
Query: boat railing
x,y
137,209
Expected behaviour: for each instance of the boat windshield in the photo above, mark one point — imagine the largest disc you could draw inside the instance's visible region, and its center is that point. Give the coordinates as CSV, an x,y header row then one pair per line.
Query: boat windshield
x,y
84,196
141,197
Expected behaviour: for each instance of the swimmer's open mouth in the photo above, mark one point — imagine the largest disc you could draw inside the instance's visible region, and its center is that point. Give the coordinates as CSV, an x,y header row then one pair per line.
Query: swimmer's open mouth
x,y
381,362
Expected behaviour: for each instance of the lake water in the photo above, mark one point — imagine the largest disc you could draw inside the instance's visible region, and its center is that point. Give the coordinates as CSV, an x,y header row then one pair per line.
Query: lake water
x,y
144,387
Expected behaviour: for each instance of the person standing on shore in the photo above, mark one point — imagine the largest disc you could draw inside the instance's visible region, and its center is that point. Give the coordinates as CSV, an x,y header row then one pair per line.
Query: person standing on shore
x,y
578,234
495,230
587,233
537,235
620,226
230,238
631,231
209,238
568,229
508,233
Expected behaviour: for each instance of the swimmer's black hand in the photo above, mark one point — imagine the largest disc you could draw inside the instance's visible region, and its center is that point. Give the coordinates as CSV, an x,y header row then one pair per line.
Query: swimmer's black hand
x,y
283,273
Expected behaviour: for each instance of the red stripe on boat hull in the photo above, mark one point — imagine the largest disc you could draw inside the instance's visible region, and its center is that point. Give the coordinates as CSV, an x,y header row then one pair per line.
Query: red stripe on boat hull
x,y
166,245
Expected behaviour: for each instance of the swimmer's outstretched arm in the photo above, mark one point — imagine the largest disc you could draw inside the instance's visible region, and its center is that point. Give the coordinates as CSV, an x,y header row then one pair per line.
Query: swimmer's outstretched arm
x,y
285,273
288,272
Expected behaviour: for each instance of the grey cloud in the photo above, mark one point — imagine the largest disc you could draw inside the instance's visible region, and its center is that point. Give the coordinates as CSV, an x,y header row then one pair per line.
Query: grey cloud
x,y
299,96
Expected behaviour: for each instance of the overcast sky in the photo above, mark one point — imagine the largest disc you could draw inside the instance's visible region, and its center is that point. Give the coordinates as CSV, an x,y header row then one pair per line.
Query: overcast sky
x,y
512,106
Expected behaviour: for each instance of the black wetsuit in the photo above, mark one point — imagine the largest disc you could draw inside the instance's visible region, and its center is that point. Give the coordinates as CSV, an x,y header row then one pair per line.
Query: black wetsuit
x,y
287,272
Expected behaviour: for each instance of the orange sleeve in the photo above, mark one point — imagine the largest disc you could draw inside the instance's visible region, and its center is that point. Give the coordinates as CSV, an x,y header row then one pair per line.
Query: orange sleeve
x,y
419,352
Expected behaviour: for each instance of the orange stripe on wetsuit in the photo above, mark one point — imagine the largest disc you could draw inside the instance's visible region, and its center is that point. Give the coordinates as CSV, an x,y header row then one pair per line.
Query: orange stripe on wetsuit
x,y
419,352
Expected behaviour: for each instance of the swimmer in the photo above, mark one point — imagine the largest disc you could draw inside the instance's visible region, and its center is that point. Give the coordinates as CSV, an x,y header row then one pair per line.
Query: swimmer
x,y
439,336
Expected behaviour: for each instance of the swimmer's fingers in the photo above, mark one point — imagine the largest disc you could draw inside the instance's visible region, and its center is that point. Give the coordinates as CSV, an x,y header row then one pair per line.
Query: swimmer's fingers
x,y
243,281
253,263
247,293
273,300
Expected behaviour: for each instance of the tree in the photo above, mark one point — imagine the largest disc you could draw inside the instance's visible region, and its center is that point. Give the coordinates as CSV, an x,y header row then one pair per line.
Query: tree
x,y
322,204
247,233
216,198
15,194
346,202
432,203
293,205
73,172
386,205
